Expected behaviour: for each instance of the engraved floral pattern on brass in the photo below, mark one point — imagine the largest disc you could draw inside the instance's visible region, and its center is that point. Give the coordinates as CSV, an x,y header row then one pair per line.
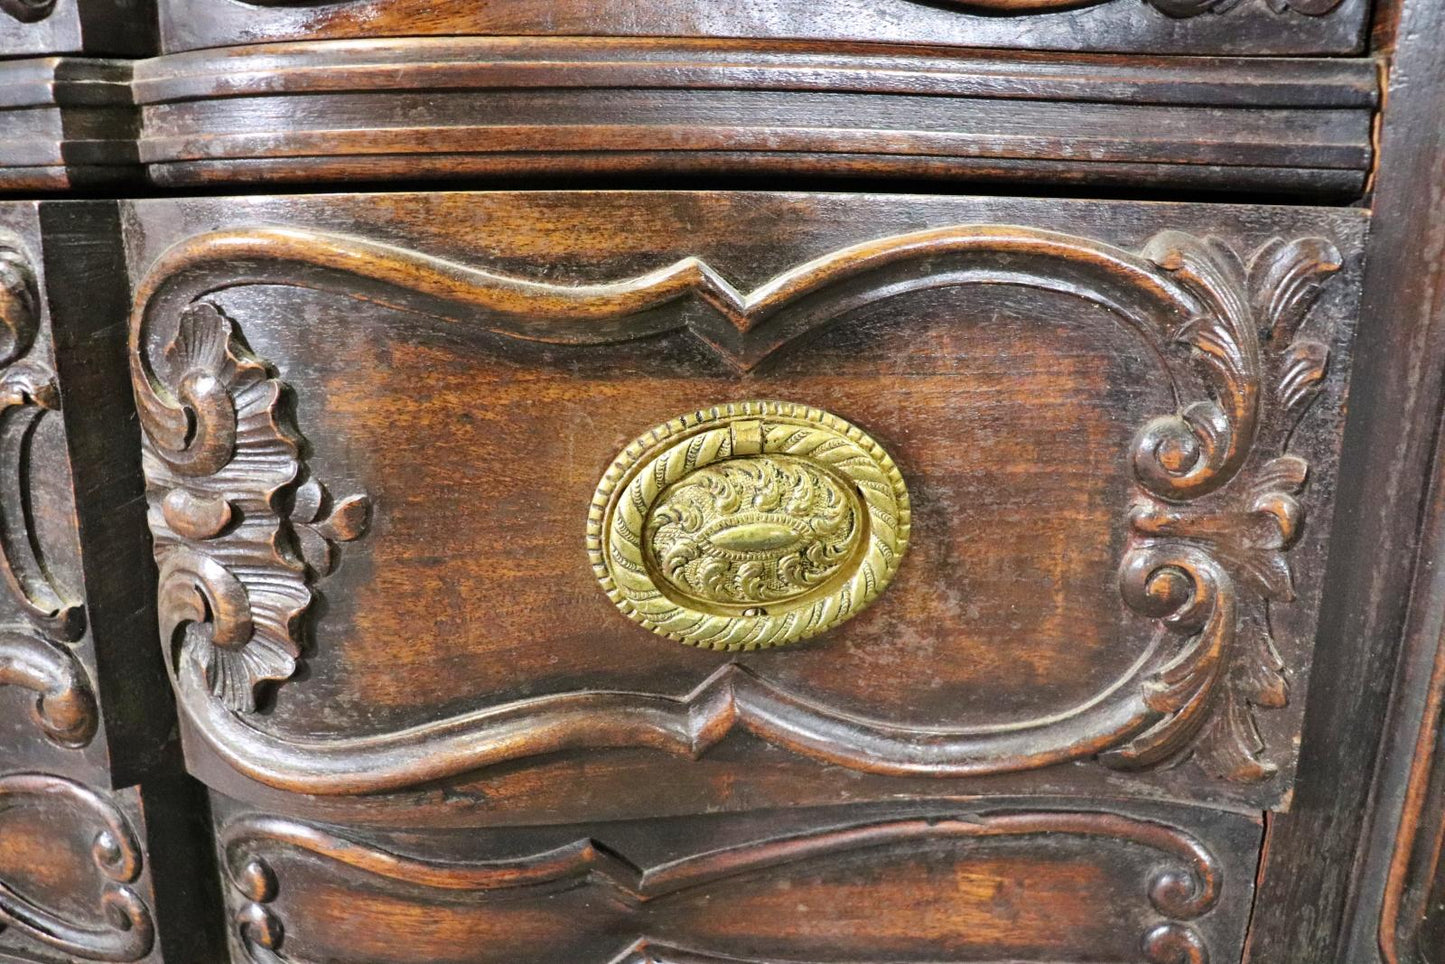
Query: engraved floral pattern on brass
x,y
748,525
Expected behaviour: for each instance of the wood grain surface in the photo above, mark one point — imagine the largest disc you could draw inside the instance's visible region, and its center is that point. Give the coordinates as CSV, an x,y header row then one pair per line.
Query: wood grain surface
x,y
88,874
1250,28
1312,907
444,107
1008,636
1022,882
66,123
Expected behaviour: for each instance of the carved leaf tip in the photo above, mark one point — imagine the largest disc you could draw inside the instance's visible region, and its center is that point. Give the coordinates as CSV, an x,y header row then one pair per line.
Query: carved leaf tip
x,y
1285,281
1302,372
349,520
321,523
1230,747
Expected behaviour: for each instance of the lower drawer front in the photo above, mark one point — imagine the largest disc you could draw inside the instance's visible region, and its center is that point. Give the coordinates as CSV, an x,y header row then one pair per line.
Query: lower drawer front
x,y
92,874
1005,882
945,494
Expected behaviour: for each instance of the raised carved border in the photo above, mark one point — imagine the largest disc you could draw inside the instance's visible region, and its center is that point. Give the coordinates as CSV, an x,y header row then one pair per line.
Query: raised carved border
x,y
1184,886
35,656
126,931
1217,504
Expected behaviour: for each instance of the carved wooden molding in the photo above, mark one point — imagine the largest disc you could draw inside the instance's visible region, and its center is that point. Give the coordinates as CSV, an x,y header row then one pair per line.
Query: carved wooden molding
x,y
35,657
1217,504
27,11
64,705
1183,887
126,931
1179,9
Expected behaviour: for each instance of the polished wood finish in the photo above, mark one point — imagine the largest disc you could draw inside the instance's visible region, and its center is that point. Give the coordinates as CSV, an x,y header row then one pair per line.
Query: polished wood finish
x,y
103,852
88,874
1251,27
1035,880
71,620
66,123
456,108
889,309
1157,678
450,108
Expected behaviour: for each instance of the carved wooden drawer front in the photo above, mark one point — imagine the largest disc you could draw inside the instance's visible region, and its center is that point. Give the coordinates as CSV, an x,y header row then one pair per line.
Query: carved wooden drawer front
x,y
85,718
392,444
1246,27
1035,881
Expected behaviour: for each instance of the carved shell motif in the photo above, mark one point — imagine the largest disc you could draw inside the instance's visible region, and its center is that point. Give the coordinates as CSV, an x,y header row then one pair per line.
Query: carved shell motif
x,y
226,525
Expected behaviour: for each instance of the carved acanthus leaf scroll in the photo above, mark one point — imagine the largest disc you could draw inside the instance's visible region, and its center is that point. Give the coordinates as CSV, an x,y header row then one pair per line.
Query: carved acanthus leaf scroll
x,y
1217,503
1220,503
1184,886
240,530
36,655
125,930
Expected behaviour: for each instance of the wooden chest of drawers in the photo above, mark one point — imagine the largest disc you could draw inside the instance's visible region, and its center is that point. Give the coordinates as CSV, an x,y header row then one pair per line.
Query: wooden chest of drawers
x,y
697,484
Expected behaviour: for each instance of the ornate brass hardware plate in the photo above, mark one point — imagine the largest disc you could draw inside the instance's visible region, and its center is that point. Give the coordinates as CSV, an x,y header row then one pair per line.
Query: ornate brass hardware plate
x,y
748,525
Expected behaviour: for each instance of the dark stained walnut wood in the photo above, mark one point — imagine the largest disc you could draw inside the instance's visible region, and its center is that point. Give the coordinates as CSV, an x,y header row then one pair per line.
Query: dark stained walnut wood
x,y
456,108
56,645
103,851
1328,861
81,873
65,123
417,336
108,28
1246,27
1394,915
345,453
1408,927
1035,881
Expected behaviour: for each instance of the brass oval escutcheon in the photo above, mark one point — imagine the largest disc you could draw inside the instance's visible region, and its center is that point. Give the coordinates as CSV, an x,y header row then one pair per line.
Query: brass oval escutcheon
x,y
748,525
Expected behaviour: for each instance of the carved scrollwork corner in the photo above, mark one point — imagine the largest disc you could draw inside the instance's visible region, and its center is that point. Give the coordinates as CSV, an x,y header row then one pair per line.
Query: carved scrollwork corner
x,y
37,655
1184,885
1219,508
241,530
125,930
